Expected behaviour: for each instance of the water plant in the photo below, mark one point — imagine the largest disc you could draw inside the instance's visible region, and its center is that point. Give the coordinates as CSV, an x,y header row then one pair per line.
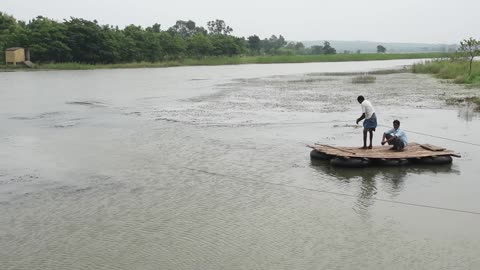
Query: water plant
x,y
364,79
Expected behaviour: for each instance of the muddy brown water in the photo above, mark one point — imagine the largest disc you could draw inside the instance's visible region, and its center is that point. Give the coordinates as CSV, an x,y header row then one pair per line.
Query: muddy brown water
x,y
206,168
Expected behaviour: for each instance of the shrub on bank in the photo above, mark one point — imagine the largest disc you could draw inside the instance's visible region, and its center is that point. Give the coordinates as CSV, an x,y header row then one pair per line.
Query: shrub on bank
x,y
454,70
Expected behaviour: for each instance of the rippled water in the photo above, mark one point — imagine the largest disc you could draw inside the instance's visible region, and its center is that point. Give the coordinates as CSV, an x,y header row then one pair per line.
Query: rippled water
x,y
206,168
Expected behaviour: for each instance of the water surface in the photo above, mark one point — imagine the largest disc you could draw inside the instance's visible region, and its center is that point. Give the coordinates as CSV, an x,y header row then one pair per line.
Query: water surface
x,y
206,168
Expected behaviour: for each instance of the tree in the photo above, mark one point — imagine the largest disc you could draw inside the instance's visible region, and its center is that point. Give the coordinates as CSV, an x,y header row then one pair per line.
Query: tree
x,y
7,22
278,42
299,46
173,45
327,49
85,40
317,49
381,49
295,47
470,47
199,45
128,50
186,29
154,28
227,45
152,49
218,27
8,25
47,40
136,35
110,44
254,44
9,29
273,44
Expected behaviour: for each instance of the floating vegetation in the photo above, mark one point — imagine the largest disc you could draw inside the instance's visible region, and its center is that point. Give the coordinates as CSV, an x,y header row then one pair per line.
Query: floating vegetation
x,y
311,80
475,100
405,69
364,79
463,100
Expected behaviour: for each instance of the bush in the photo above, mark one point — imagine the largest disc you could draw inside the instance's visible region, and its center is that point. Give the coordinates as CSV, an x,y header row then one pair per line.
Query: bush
x,y
456,70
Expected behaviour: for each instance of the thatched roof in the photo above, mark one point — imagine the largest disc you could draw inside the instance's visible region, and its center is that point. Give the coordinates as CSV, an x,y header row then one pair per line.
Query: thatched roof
x,y
14,49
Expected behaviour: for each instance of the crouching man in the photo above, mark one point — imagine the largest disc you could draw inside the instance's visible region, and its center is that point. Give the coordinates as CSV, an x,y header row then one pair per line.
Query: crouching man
x,y
395,137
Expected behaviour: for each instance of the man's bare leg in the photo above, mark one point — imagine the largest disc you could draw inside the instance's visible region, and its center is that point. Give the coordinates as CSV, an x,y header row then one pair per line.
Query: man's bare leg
x,y
364,138
371,139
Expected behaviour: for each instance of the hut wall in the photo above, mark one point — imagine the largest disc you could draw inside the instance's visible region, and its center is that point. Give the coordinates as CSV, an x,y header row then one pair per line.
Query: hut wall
x,y
16,56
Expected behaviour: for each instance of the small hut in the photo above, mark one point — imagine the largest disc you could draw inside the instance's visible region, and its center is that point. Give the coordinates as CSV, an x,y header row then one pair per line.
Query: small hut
x,y
16,55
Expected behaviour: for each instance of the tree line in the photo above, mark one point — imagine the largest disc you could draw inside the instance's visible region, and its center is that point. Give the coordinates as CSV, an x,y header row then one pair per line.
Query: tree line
x,y
84,41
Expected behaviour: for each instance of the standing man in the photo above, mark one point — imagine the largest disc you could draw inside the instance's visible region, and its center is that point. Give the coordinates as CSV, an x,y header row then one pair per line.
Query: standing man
x,y
370,123
395,137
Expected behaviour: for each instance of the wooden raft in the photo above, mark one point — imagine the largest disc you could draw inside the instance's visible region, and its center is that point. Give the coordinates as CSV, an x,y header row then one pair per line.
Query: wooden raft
x,y
412,150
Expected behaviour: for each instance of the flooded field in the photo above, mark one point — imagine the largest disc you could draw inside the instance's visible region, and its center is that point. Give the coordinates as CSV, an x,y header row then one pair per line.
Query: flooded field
x,y
207,168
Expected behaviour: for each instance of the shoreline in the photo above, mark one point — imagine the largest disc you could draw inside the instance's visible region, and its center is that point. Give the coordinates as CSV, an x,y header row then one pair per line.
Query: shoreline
x,y
235,60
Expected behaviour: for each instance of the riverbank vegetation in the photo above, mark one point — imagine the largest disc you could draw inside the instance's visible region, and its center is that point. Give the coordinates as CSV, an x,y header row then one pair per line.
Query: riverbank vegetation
x,y
77,43
461,69
81,44
231,60
456,70
82,41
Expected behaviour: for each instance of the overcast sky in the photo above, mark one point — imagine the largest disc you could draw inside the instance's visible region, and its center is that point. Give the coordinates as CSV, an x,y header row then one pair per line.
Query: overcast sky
x,y
424,21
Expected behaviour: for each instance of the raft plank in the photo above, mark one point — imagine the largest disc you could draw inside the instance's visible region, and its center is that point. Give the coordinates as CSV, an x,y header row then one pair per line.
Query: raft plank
x,y
413,150
336,148
432,147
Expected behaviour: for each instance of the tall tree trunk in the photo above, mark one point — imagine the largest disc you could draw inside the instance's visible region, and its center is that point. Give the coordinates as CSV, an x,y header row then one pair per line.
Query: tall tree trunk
x,y
470,69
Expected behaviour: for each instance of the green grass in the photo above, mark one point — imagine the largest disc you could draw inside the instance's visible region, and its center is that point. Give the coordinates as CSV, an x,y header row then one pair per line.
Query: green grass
x,y
455,70
238,60
342,57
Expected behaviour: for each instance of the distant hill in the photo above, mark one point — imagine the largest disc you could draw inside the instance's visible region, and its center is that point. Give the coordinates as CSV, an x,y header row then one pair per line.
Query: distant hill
x,y
371,47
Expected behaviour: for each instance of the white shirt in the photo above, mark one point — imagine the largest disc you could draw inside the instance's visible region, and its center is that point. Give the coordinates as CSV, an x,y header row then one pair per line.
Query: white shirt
x,y
367,109
399,133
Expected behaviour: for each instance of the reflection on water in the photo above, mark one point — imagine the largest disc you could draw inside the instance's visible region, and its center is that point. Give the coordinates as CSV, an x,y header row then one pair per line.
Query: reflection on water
x,y
467,112
392,177
395,173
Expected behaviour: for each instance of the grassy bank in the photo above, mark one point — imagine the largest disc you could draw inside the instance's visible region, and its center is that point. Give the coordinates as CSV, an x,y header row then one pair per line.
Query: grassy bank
x,y
237,60
457,72
454,70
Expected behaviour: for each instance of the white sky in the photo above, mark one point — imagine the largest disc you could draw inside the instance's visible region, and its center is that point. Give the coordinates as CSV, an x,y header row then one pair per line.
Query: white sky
x,y
424,21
